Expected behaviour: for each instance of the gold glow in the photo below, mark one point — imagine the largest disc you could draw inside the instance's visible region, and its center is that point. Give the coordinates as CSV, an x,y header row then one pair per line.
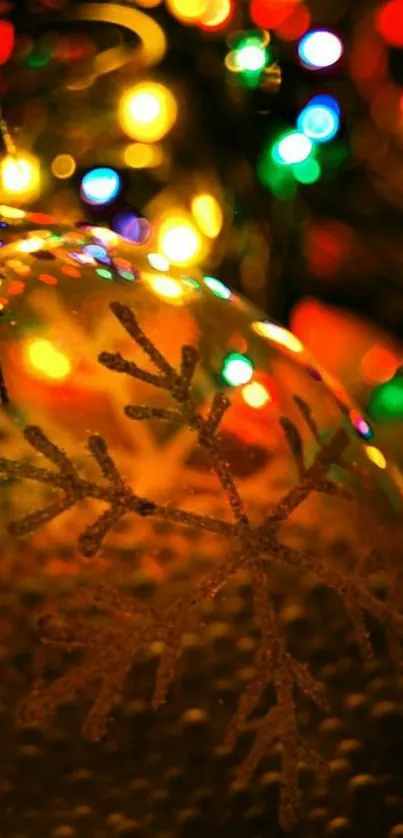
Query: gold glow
x,y
188,11
19,176
166,287
63,166
43,357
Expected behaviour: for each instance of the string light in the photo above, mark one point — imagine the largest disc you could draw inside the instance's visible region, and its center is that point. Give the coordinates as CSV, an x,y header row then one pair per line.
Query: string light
x,y
237,369
147,111
208,214
376,456
44,358
100,186
319,49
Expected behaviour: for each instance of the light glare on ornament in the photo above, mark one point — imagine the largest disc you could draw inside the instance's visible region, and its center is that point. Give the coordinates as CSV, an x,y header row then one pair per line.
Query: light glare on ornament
x,y
376,456
319,49
158,262
166,287
147,111
278,335
43,357
179,241
100,186
255,395
293,148
19,175
217,287
208,214
31,245
237,369
320,120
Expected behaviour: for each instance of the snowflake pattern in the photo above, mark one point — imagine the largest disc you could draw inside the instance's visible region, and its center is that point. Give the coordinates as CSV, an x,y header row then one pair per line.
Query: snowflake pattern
x,y
109,651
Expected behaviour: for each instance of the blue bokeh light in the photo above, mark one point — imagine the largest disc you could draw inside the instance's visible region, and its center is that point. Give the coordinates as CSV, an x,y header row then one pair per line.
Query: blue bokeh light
x,y
100,186
320,119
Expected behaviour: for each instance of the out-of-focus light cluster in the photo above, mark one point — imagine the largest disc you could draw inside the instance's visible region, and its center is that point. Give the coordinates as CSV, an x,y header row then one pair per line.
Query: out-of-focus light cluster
x,y
147,111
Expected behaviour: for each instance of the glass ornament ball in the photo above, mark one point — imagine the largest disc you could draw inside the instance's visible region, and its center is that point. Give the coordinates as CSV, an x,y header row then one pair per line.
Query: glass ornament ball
x,y
162,439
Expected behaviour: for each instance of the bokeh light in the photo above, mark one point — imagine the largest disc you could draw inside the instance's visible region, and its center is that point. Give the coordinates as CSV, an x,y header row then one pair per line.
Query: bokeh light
x,y
208,214
386,401
319,49
179,241
132,227
250,56
143,156
294,147
6,40
217,15
217,287
308,171
158,262
389,22
256,395
147,111
100,186
188,11
320,119
46,360
63,166
379,364
237,369
20,176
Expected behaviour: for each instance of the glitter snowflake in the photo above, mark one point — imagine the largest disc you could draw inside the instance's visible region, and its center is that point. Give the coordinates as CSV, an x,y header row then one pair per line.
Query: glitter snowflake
x,y
109,650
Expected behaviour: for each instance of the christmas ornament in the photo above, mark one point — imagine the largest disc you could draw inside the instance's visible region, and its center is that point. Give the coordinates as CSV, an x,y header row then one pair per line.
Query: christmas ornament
x,y
161,440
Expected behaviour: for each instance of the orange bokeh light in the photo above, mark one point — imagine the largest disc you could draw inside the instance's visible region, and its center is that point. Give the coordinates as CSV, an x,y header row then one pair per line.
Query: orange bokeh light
x,y
379,364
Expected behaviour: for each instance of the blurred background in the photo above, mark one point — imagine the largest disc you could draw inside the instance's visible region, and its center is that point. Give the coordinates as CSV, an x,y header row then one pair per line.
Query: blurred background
x,y
259,139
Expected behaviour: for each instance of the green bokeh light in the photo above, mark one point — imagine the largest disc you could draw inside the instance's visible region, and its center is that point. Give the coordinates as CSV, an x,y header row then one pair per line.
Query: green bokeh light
x,y
387,400
237,369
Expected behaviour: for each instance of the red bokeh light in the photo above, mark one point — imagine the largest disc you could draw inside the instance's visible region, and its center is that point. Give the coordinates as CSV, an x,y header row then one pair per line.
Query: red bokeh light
x,y
6,40
379,364
389,22
272,13
327,247
295,25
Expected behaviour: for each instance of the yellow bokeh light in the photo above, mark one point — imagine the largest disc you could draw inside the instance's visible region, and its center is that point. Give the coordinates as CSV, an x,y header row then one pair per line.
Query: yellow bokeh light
x,y
256,395
179,241
158,262
376,456
208,214
147,111
19,176
278,335
31,245
188,11
11,212
166,286
63,166
44,358
217,14
142,156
